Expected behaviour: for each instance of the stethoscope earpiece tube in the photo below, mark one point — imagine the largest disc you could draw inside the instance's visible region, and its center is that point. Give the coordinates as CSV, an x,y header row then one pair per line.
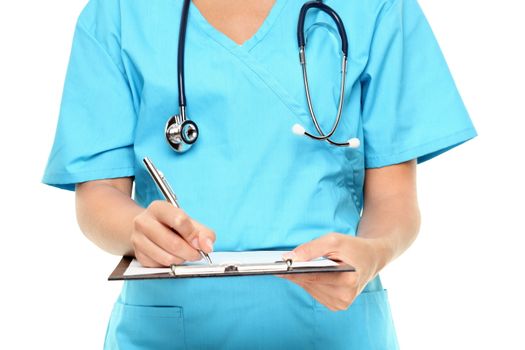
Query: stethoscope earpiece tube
x,y
180,53
298,129
329,11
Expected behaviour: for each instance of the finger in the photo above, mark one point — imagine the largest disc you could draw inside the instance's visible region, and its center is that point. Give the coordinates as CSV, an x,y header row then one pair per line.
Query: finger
x,y
340,298
330,279
316,279
316,248
335,299
206,236
147,247
177,219
170,241
145,260
323,296
318,294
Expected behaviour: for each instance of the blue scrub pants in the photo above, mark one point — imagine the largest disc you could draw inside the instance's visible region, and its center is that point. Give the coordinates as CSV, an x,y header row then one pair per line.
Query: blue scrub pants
x,y
255,312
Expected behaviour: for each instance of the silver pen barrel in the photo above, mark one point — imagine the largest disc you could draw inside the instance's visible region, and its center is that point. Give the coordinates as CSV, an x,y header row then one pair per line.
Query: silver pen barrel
x,y
167,192
161,182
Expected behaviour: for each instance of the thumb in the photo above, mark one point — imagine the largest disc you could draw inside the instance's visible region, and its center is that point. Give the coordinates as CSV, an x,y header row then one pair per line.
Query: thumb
x,y
311,250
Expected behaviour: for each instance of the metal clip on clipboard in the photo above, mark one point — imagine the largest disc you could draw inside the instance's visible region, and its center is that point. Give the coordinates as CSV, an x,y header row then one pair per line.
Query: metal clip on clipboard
x,y
232,269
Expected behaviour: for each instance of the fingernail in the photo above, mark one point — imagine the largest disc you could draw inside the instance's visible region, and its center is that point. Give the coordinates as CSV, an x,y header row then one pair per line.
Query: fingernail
x,y
209,244
195,243
290,255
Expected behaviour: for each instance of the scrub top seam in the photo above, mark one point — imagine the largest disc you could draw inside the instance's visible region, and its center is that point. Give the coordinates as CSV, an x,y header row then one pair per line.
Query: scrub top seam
x,y
99,44
268,80
67,180
470,131
383,8
90,171
122,71
420,145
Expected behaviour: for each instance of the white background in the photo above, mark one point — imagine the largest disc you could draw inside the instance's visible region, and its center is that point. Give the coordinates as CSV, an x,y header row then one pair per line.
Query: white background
x,y
460,286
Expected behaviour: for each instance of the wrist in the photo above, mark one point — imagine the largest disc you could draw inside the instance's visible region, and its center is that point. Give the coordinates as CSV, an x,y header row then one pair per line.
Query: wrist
x,y
382,252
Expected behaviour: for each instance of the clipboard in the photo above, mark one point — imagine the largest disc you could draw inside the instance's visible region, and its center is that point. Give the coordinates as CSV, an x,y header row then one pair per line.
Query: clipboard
x,y
223,270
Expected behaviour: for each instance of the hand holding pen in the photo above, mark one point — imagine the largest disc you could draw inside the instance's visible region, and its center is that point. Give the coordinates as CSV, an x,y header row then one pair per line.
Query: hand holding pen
x,y
164,234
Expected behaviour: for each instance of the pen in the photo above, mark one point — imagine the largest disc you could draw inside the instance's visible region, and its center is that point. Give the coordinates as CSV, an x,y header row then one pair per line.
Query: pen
x,y
166,190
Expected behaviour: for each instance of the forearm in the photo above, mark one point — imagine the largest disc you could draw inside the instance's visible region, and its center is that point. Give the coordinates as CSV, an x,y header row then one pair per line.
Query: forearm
x,y
105,215
392,223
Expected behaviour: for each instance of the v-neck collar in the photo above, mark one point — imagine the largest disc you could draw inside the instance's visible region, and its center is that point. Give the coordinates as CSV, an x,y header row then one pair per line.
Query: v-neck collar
x,y
225,40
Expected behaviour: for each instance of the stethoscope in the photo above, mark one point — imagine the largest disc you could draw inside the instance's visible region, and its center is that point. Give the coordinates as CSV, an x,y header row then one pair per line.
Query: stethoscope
x,y
181,133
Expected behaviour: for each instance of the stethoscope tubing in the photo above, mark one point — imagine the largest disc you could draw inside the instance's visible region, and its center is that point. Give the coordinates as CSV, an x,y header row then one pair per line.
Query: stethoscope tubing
x,y
329,11
302,59
180,58
178,125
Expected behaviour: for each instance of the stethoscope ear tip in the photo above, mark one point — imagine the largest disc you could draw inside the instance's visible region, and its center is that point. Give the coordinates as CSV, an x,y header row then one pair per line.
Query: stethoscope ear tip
x,y
298,129
354,142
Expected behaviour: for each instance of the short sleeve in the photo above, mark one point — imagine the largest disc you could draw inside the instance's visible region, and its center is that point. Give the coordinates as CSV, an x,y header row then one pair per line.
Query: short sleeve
x,y
411,108
95,131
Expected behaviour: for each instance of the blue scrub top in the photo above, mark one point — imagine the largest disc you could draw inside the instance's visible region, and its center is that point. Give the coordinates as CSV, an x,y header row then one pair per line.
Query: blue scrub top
x,y
248,177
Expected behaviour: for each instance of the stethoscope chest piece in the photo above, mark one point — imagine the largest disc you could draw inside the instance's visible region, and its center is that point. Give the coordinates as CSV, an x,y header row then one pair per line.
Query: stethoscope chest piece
x,y
181,133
